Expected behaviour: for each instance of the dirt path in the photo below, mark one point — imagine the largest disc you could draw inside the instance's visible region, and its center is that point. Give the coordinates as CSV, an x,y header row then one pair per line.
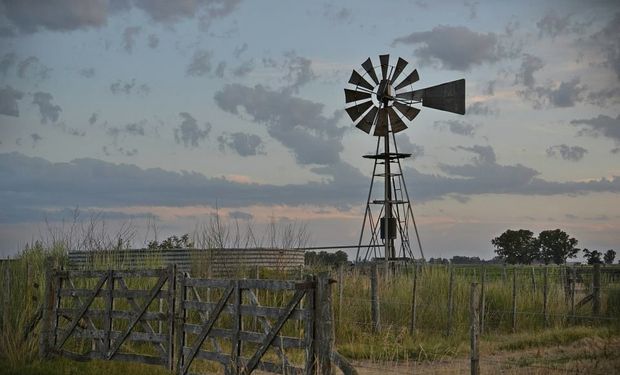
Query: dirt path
x,y
586,356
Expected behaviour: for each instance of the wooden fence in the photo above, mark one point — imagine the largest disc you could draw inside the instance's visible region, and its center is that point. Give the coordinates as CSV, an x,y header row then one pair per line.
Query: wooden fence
x,y
164,317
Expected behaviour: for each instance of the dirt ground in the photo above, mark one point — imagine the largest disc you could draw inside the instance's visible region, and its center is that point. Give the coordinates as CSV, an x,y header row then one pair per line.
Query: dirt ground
x,y
586,356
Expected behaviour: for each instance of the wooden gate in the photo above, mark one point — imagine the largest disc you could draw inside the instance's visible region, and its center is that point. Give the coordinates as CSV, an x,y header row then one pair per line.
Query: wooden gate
x,y
123,315
243,325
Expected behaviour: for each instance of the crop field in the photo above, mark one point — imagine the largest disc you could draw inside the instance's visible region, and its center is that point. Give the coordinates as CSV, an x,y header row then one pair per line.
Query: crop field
x,y
520,332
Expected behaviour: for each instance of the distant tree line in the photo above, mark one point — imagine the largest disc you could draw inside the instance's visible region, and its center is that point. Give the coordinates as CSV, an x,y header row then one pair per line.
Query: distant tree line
x,y
323,258
551,246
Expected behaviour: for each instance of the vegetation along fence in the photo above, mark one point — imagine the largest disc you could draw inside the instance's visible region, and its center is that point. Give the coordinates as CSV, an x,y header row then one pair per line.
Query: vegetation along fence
x,y
191,325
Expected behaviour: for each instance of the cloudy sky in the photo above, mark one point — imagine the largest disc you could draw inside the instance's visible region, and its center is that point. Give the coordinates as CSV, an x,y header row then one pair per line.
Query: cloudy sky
x,y
139,109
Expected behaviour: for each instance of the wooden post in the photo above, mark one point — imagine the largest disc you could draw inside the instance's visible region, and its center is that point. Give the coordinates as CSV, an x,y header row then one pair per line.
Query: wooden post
x,y
236,338
48,301
505,277
181,320
533,280
596,290
483,276
514,299
324,336
310,316
414,297
172,288
109,307
374,298
450,301
573,275
340,291
545,295
474,304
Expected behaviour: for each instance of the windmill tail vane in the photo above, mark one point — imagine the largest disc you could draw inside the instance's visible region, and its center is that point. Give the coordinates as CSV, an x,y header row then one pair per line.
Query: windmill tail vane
x,y
384,105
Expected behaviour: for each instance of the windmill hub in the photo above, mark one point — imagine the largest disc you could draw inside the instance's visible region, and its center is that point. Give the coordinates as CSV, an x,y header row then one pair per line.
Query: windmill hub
x,y
386,106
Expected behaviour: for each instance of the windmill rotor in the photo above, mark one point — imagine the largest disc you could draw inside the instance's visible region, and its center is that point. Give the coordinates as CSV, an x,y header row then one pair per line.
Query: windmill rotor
x,y
387,103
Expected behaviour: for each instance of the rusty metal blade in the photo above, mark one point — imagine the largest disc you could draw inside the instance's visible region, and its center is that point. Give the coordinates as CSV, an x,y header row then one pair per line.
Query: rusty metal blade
x,y
357,110
385,64
400,66
367,65
449,97
368,120
396,123
407,111
353,96
358,80
382,123
413,77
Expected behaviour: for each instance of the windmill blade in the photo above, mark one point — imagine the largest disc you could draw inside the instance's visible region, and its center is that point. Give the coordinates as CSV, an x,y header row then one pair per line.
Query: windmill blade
x,y
368,120
357,110
407,111
449,96
358,80
382,123
400,66
385,64
413,77
353,96
367,65
396,122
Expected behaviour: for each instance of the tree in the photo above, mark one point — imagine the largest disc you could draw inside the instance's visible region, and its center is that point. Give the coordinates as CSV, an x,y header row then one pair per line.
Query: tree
x,y
593,257
609,257
172,242
324,258
556,246
516,246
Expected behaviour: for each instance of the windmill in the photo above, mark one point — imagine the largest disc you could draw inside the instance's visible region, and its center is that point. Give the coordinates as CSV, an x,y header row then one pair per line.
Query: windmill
x,y
382,106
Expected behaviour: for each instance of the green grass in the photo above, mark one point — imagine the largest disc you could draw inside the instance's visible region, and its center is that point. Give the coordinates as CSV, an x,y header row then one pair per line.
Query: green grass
x,y
62,366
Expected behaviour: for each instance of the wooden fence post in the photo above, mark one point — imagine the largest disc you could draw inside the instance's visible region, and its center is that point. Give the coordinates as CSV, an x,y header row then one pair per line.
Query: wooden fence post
x,y
596,290
374,298
545,295
474,304
109,308
572,293
324,337
172,291
533,280
340,291
450,301
414,297
483,274
181,319
48,301
514,299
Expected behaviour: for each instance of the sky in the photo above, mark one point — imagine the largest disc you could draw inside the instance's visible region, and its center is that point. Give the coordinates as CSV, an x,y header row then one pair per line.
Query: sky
x,y
162,113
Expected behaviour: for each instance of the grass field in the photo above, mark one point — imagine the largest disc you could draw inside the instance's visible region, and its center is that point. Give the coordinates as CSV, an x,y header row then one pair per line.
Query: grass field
x,y
22,281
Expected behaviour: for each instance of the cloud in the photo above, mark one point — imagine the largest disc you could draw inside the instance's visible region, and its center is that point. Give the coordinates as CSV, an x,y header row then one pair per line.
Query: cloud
x,y
609,44
244,69
127,88
200,64
240,215
134,128
337,14
529,65
480,109
405,145
32,67
242,143
455,47
457,127
298,71
58,15
473,8
153,41
239,50
552,25
93,118
570,153
564,95
601,125
221,68
87,72
605,97
36,138
296,123
29,16
129,35
49,112
8,60
189,133
8,101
